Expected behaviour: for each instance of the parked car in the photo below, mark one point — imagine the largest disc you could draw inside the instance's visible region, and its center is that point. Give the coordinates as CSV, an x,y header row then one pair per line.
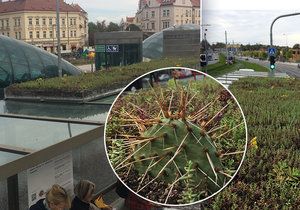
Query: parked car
x,y
164,77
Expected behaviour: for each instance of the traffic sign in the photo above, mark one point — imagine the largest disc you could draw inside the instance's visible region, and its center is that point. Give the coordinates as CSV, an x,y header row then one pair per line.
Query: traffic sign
x,y
112,48
100,48
272,51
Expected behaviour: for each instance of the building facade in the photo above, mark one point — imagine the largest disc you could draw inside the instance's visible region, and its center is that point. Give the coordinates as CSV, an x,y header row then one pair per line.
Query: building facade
x,y
34,21
156,15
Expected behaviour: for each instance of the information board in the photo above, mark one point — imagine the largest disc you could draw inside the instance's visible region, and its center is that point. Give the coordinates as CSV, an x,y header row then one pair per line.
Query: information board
x,y
58,170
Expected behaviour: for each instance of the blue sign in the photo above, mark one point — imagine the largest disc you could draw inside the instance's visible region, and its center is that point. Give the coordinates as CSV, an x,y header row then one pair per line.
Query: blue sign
x,y
112,48
272,51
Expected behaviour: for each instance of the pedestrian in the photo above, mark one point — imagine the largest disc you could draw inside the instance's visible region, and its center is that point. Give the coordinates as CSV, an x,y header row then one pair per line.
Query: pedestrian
x,y
84,195
56,198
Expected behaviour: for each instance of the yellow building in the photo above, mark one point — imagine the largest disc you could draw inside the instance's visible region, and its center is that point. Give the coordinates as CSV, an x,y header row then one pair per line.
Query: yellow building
x,y
156,15
34,21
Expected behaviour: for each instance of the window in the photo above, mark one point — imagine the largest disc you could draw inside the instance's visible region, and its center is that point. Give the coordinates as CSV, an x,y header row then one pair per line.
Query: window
x,y
30,35
166,13
38,34
44,21
37,21
63,21
147,26
19,21
16,22
153,26
30,21
186,13
71,21
63,34
44,34
74,21
153,14
16,34
51,34
71,32
7,23
50,21
74,33
166,25
7,33
20,35
147,15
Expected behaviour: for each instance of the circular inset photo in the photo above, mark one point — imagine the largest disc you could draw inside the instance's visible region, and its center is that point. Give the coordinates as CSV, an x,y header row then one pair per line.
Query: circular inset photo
x,y
175,136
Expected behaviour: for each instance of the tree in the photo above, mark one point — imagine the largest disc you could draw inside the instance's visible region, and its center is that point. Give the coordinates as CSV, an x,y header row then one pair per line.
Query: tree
x,y
92,29
133,27
296,46
219,45
100,26
113,27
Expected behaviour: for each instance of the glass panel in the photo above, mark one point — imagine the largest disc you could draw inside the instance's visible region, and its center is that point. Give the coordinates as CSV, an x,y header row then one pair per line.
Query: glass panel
x,y
3,53
5,74
21,72
35,63
30,134
16,54
6,157
71,111
101,173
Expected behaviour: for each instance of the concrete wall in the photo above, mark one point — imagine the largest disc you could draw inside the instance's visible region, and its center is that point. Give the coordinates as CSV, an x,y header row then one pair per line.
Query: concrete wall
x,y
181,43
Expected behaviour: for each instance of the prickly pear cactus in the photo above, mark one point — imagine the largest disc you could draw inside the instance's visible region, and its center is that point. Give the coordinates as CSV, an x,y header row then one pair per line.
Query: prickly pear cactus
x,y
178,144
173,143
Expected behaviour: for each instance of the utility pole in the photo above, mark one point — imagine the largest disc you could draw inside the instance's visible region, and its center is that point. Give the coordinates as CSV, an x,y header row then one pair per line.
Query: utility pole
x,y
226,46
58,40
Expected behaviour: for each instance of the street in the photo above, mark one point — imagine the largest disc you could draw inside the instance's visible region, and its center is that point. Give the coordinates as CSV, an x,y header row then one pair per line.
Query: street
x,y
283,67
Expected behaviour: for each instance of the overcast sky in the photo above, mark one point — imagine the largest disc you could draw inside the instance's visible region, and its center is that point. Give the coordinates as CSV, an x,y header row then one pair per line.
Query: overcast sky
x,y
246,21
110,10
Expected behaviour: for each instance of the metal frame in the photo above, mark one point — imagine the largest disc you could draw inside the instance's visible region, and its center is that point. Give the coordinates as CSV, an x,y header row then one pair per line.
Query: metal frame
x,y
33,159
51,119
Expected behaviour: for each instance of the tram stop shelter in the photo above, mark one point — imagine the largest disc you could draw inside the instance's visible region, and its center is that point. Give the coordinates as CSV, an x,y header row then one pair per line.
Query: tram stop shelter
x,y
118,48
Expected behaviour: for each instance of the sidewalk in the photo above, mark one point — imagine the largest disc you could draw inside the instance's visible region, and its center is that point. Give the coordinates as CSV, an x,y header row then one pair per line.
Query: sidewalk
x,y
86,68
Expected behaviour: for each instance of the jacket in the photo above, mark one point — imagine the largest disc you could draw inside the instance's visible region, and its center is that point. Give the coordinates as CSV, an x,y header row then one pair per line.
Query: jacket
x,y
39,205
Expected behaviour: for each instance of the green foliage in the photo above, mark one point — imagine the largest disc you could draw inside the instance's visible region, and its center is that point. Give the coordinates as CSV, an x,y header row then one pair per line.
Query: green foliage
x,y
118,152
188,194
97,82
269,176
221,68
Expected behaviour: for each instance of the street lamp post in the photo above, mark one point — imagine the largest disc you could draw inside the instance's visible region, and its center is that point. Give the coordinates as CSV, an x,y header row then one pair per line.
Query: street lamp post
x,y
271,28
53,46
58,40
272,57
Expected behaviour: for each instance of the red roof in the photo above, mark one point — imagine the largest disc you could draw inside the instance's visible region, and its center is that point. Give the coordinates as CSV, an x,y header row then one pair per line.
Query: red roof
x,y
38,5
129,19
195,3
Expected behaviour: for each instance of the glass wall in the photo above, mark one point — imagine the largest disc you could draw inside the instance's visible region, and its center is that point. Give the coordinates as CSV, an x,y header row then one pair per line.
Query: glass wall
x,y
126,55
153,45
21,62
